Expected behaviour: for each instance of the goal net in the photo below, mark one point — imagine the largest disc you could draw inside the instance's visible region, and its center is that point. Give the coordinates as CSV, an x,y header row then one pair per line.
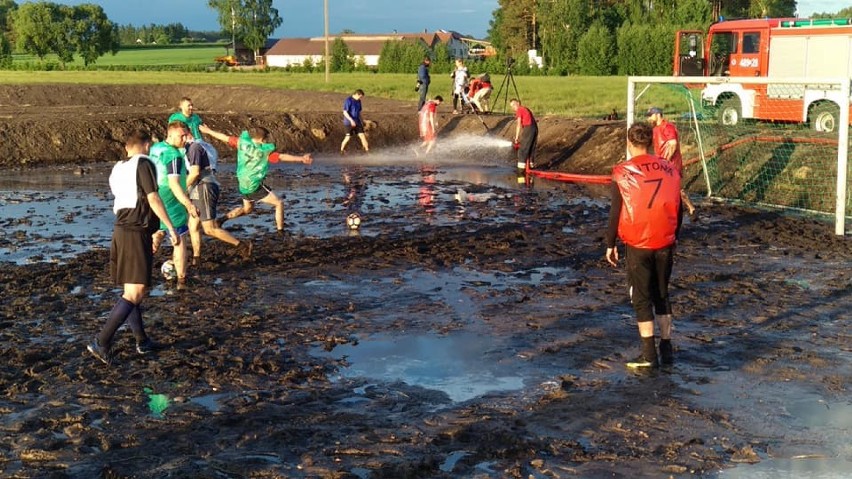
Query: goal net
x,y
780,143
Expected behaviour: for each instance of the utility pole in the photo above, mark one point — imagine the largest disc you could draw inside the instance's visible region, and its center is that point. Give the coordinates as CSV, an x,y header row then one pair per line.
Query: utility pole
x,y
327,57
234,30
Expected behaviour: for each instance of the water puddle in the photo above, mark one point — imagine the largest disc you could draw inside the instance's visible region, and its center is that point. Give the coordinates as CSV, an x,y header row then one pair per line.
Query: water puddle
x,y
461,365
811,425
811,468
70,214
211,402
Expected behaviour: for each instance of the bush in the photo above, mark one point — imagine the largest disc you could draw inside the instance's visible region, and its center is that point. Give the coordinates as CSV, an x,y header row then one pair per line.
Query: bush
x,y
596,52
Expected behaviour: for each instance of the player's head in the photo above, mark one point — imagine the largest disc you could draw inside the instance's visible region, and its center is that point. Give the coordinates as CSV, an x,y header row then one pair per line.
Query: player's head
x,y
514,103
359,93
259,134
138,142
639,138
186,106
654,115
178,134
438,99
427,61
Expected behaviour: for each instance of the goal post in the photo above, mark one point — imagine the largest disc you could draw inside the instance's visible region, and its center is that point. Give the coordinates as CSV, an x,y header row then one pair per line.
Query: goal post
x,y
782,143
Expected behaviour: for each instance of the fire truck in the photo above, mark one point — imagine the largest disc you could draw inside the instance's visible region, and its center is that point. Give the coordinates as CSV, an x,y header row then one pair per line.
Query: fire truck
x,y
773,48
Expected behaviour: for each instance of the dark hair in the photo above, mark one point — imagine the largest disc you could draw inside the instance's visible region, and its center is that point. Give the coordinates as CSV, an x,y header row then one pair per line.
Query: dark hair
x,y
186,98
515,100
137,138
439,98
641,135
258,132
359,92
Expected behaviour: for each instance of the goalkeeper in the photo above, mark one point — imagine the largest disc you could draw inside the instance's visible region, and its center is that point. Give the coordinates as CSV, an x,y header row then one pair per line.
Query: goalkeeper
x,y
254,154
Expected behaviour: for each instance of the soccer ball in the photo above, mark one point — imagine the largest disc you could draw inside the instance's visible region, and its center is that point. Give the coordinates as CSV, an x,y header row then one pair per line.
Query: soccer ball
x,y
168,270
353,221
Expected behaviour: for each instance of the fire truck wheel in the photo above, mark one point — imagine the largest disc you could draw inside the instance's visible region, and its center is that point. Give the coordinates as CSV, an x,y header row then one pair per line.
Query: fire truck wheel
x,y
730,112
824,117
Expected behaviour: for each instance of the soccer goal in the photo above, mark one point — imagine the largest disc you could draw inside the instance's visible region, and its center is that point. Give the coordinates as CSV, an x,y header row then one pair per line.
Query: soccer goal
x,y
781,143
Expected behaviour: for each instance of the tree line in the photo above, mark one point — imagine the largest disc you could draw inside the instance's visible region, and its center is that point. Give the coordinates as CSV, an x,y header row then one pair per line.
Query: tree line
x,y
605,37
43,28
170,34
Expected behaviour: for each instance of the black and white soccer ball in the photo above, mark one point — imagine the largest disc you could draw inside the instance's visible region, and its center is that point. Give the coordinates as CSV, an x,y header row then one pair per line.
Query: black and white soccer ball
x,y
353,221
169,271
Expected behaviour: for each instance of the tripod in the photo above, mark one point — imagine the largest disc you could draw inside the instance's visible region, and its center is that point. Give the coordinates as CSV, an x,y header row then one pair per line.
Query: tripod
x,y
508,80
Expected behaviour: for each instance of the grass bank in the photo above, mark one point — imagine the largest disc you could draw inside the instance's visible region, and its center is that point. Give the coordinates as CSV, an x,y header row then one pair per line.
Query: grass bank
x,y
576,96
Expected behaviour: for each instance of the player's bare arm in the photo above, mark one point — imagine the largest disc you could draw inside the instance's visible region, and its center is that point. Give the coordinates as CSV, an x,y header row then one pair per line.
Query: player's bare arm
x,y
160,210
177,190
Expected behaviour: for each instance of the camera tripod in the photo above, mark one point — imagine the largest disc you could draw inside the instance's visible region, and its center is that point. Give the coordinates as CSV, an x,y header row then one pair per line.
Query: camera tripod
x,y
508,80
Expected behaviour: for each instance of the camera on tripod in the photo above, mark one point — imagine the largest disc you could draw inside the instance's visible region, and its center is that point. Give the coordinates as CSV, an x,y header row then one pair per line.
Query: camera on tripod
x,y
510,62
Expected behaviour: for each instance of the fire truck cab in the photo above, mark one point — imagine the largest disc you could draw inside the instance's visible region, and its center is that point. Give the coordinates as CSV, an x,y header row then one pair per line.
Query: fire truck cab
x,y
774,48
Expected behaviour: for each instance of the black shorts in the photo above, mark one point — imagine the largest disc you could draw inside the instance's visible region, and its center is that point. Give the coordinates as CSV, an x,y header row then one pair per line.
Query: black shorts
x,y
259,193
528,140
131,257
648,274
355,130
207,200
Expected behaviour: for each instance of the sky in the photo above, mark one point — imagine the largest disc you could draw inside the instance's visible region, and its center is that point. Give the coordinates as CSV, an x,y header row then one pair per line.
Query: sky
x,y
304,18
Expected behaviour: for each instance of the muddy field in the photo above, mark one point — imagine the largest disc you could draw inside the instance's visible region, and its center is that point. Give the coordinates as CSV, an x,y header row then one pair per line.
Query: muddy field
x,y
470,328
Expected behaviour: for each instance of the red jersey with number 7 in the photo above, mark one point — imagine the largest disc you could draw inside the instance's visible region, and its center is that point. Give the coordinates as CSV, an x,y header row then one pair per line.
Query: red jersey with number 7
x,y
650,190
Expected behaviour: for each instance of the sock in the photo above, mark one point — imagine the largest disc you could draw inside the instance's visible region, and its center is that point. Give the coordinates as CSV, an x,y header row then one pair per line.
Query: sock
x,y
649,350
664,321
119,314
134,320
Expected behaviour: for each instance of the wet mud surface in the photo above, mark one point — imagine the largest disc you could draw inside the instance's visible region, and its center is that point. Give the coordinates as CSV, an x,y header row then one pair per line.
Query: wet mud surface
x,y
471,328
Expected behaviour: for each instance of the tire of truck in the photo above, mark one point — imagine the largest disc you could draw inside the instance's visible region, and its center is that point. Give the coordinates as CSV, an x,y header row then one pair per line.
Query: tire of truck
x,y
824,117
730,112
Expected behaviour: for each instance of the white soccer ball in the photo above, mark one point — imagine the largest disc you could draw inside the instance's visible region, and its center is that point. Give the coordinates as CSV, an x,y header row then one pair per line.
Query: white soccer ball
x,y
168,270
353,221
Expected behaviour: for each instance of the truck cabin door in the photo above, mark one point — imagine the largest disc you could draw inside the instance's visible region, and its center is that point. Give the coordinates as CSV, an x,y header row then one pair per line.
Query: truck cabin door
x,y
723,52
746,63
689,54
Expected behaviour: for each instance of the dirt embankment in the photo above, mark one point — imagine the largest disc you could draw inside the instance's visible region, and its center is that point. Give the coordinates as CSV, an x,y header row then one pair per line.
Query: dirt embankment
x,y
59,124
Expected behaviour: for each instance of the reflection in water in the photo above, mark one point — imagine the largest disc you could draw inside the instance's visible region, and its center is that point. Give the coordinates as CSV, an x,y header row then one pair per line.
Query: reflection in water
x,y
355,187
426,194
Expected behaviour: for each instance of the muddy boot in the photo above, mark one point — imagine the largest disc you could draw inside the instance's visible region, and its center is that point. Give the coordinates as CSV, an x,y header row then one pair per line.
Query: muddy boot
x,y
101,353
666,351
648,358
147,346
243,249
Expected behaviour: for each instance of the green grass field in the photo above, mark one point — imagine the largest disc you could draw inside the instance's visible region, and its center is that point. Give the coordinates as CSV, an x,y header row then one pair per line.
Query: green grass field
x,y
582,97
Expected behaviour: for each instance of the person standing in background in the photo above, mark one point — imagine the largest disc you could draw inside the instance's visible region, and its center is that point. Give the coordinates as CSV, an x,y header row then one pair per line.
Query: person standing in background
x,y
353,122
423,80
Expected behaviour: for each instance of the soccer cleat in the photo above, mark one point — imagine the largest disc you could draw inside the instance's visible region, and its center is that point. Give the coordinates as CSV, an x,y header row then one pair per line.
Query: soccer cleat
x,y
103,354
642,362
666,351
147,346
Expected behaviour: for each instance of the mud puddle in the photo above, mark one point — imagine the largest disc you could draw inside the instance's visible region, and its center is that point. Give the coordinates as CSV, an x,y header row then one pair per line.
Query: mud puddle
x,y
70,214
471,330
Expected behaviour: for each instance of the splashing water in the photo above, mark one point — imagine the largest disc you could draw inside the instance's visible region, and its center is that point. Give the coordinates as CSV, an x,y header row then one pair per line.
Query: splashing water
x,y
455,149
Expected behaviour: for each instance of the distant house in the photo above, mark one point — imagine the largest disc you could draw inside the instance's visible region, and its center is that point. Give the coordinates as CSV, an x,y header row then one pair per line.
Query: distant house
x,y
296,51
